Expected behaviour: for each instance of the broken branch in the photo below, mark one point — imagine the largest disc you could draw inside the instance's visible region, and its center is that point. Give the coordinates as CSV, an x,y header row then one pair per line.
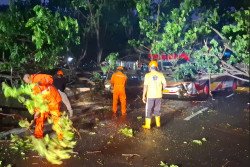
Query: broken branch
x,y
12,115
93,152
130,155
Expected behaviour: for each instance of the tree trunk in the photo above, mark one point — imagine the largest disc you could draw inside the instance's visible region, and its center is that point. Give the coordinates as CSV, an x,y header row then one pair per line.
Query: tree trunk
x,y
84,52
99,49
99,55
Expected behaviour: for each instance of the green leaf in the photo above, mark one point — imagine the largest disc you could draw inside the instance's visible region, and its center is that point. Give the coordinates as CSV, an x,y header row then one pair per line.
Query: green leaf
x,y
127,132
24,123
197,142
214,42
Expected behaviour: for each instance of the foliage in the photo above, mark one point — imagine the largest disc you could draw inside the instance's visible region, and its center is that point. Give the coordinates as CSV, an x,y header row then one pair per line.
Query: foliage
x,y
168,32
174,39
127,132
52,148
148,26
20,144
62,33
203,63
24,123
139,118
39,46
184,28
166,165
110,62
19,94
199,142
96,76
211,60
204,139
163,32
239,36
34,37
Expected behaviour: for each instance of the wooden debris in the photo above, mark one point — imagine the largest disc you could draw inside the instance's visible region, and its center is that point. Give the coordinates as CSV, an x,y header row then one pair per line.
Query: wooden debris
x,y
35,163
93,152
226,162
130,155
12,115
99,162
37,156
75,153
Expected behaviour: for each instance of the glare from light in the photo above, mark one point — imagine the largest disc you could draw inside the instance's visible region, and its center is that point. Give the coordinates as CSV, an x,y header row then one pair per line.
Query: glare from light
x,y
70,59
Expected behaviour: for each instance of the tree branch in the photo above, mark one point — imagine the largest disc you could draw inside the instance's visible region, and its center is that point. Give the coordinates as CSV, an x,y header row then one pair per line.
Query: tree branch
x,y
140,50
5,76
12,115
226,45
84,52
24,40
217,32
242,79
232,68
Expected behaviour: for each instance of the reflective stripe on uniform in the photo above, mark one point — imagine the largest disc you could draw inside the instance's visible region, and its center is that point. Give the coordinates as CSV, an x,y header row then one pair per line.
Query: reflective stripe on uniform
x,y
45,90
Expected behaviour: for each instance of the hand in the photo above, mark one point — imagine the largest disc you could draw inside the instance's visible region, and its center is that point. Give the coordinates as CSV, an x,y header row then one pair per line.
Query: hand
x,y
144,99
71,115
36,115
31,123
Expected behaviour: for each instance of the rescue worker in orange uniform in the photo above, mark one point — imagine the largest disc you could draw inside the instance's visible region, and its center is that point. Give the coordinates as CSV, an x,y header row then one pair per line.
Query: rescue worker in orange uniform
x,y
118,82
154,83
43,85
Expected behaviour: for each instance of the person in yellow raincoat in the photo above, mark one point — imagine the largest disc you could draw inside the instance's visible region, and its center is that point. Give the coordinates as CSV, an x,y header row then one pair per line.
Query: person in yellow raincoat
x,y
118,82
43,85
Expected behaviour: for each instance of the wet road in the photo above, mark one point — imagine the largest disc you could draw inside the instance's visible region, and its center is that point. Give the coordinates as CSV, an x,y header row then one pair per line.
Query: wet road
x,y
210,133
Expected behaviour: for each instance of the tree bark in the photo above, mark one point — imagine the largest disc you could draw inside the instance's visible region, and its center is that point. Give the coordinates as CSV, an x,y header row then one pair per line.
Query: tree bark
x,y
84,52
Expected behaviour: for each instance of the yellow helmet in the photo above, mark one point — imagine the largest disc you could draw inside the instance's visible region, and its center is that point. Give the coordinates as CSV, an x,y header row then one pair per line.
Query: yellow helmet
x,y
153,63
119,68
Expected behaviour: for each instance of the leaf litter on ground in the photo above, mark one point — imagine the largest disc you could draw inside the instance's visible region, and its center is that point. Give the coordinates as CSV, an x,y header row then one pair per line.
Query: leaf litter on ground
x,y
126,132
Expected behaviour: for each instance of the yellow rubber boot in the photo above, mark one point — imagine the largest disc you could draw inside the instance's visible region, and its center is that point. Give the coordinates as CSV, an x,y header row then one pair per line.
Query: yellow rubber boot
x,y
158,121
147,123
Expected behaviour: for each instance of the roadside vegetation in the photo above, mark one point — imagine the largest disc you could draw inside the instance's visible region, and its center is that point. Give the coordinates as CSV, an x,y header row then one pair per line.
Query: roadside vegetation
x,y
204,32
40,37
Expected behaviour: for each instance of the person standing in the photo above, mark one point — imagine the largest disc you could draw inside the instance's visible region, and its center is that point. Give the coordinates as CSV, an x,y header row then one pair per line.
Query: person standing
x,y
60,84
118,82
43,86
154,83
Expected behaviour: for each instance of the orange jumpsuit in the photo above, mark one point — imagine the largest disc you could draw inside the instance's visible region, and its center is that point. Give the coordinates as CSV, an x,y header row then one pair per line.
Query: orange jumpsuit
x,y
49,92
118,81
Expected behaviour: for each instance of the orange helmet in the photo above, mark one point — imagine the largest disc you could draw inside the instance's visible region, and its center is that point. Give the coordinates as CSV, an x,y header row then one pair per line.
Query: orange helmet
x,y
119,68
59,73
153,63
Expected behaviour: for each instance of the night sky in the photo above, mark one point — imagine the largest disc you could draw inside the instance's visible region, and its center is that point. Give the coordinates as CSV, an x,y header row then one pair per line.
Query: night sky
x,y
4,2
